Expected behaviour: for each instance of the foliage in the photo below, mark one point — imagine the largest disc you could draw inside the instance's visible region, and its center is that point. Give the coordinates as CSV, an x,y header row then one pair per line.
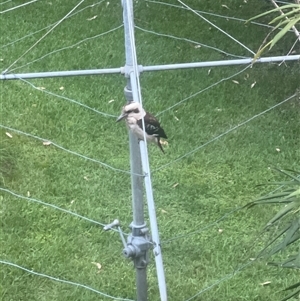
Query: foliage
x,y
286,20
286,224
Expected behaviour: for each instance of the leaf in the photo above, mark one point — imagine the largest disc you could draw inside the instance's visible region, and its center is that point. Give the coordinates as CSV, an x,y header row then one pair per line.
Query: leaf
x,y
98,265
274,10
265,283
291,295
46,143
293,262
287,19
257,55
284,31
291,234
273,240
8,135
282,213
292,286
288,234
92,18
288,174
287,14
282,183
282,246
282,194
295,193
271,199
290,238
280,23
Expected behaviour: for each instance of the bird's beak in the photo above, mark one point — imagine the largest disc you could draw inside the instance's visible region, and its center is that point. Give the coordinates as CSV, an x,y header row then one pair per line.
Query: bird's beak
x,y
122,116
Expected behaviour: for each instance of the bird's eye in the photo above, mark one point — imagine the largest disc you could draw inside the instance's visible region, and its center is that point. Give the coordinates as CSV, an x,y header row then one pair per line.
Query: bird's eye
x,y
136,111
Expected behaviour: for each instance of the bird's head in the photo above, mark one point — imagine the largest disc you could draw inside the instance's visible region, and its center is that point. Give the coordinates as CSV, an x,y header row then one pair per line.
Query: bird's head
x,y
133,110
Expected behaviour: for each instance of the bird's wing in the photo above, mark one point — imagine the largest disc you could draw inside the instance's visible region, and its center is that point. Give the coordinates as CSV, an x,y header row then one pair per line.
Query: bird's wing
x,y
152,126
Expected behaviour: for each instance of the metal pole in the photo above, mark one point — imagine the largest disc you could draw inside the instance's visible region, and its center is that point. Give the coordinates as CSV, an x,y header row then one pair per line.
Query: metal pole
x,y
274,59
134,80
139,239
152,214
4,76
122,70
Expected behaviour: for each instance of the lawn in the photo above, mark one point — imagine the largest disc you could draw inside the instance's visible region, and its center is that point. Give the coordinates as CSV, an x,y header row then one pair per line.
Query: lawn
x,y
217,153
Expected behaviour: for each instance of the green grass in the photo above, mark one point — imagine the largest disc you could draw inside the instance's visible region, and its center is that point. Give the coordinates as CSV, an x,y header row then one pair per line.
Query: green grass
x,y
211,182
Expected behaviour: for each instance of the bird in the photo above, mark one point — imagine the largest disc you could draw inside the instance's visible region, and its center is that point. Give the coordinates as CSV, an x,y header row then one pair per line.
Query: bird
x,y
133,113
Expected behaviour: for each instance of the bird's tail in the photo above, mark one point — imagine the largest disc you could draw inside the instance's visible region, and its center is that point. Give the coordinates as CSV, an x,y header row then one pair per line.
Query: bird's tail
x,y
159,145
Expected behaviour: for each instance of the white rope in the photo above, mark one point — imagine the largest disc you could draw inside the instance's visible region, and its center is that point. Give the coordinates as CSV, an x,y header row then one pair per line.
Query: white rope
x,y
225,133
212,14
39,40
189,234
203,90
67,150
63,281
15,7
190,41
5,2
51,205
35,32
67,98
212,24
227,277
67,47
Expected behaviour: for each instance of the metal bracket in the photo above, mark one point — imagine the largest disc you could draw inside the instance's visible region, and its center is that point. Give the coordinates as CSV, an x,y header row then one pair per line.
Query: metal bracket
x,y
128,94
126,70
114,224
138,243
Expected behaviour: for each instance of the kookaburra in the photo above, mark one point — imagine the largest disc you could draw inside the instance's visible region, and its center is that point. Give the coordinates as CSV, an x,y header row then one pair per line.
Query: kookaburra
x,y
133,114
